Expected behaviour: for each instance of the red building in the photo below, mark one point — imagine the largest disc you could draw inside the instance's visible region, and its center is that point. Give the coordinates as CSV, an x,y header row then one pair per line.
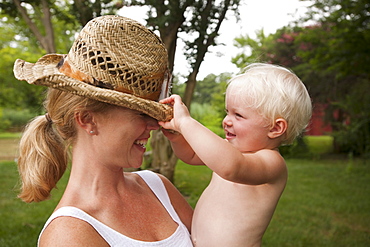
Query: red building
x,y
317,124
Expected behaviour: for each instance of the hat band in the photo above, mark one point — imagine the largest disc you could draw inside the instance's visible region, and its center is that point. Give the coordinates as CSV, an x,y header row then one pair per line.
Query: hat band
x,y
65,67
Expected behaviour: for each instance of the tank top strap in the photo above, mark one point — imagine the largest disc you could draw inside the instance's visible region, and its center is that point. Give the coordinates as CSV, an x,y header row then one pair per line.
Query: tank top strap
x,y
156,185
180,238
102,229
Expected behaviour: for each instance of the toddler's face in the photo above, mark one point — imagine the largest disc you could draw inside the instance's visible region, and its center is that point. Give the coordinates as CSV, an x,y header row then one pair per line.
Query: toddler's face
x,y
244,127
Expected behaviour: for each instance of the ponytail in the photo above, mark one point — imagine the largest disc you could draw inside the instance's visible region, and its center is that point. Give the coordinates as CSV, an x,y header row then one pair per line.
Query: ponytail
x,y
43,149
42,160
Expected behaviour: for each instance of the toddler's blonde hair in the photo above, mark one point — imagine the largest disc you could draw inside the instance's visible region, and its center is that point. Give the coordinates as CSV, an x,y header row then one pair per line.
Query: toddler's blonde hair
x,y
275,92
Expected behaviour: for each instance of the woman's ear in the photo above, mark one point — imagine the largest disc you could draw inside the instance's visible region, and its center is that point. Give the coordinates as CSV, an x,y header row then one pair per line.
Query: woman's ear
x,y
279,128
86,121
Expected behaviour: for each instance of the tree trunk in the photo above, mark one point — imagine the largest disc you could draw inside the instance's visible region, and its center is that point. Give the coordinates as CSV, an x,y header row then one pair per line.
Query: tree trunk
x,y
163,158
190,87
47,41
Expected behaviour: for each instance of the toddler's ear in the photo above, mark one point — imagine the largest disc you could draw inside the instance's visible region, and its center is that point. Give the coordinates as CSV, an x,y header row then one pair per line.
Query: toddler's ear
x,y
279,128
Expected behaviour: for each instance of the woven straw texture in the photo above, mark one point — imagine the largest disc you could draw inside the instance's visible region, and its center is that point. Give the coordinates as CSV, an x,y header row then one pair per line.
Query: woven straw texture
x,y
125,64
122,54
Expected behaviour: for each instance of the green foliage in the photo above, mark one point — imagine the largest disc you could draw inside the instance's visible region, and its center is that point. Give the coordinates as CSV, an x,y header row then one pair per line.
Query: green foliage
x,y
210,88
278,48
177,87
13,93
346,34
332,57
19,41
340,55
4,123
17,119
308,147
354,134
208,116
209,102
203,27
298,149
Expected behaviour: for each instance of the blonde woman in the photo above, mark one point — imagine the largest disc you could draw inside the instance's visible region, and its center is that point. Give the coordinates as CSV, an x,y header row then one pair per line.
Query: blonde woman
x,y
102,105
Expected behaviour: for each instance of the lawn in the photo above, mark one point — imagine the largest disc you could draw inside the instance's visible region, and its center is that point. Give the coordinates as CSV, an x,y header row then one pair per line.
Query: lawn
x,y
326,203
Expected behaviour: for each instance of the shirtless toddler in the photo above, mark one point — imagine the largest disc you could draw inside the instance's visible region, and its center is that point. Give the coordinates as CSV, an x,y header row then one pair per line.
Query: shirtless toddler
x,y
266,106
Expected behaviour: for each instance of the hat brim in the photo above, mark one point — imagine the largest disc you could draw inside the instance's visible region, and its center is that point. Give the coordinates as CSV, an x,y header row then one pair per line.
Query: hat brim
x,y
45,72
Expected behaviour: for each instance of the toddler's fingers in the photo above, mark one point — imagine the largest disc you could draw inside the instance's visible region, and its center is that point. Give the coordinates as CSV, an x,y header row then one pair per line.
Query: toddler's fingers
x,y
169,132
170,99
165,101
165,125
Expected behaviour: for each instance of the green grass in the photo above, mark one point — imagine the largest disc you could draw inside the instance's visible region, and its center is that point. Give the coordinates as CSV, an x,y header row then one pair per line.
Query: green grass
x,y
319,144
191,180
8,135
20,222
326,202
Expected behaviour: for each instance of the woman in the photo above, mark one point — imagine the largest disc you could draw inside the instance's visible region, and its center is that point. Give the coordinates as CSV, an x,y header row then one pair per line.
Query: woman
x,y
101,104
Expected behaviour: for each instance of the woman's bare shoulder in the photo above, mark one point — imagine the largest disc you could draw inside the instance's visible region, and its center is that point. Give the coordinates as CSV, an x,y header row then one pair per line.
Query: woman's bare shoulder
x,y
70,231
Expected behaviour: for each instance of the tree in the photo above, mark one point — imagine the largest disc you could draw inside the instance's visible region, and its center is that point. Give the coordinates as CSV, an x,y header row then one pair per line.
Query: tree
x,y
40,17
344,31
208,105
209,88
201,20
31,28
14,94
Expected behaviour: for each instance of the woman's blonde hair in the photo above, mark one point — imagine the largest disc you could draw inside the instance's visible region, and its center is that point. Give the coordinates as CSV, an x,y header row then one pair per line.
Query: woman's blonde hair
x,y
43,148
275,92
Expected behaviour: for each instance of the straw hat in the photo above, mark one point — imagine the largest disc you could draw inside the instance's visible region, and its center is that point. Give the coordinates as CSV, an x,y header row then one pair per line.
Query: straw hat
x,y
114,60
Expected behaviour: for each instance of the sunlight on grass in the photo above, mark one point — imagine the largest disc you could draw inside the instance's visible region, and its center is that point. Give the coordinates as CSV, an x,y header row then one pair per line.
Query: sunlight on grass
x,y
191,180
322,205
319,144
7,135
21,222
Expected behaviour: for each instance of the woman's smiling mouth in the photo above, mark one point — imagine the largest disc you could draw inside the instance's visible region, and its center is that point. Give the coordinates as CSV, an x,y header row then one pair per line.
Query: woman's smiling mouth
x,y
141,143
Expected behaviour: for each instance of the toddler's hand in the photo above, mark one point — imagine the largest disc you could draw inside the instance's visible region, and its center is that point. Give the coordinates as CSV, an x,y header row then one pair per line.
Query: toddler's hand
x,y
180,113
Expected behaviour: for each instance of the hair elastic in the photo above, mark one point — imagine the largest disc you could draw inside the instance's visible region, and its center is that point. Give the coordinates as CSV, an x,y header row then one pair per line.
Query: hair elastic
x,y
47,116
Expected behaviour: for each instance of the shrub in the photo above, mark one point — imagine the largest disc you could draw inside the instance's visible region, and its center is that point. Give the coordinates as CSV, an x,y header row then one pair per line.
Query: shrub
x,y
209,116
15,119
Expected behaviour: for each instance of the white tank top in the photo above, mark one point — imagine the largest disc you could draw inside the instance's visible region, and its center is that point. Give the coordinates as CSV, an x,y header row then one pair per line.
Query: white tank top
x,y
180,238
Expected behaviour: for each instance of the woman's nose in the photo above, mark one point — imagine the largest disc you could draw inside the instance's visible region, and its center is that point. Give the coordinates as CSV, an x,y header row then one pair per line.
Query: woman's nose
x,y
152,124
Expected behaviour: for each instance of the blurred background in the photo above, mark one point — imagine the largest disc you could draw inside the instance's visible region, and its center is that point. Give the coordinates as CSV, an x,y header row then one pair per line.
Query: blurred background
x,y
325,42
